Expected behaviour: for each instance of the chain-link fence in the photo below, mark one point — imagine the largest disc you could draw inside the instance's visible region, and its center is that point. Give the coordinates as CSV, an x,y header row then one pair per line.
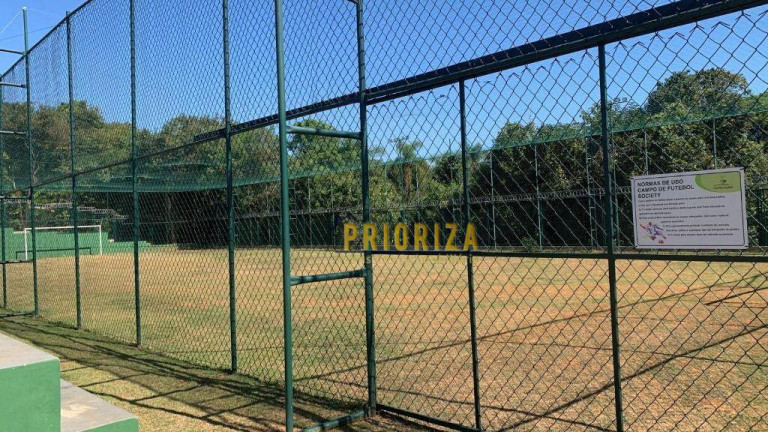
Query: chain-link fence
x,y
422,208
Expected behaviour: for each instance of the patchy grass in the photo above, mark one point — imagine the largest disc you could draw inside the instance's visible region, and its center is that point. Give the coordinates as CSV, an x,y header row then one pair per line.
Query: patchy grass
x,y
691,334
168,394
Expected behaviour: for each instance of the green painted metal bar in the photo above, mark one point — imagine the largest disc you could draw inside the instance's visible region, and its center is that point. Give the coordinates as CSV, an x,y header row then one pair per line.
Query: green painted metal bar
x,y
134,175
18,261
5,132
714,143
9,84
230,192
17,314
585,255
370,330
470,264
493,201
323,132
5,274
74,211
2,207
694,258
761,227
309,215
645,152
325,277
590,200
341,421
423,418
33,236
285,220
608,185
539,225
10,51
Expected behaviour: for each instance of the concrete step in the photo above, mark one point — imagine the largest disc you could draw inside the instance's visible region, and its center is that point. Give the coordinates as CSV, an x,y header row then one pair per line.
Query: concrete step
x,y
29,388
82,411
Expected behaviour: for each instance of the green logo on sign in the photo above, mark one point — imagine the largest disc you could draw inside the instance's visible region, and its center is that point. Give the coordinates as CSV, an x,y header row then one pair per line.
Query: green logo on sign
x,y
719,182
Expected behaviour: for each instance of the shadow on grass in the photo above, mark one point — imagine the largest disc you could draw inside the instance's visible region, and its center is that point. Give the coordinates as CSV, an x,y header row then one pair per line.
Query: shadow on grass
x,y
168,394
553,408
157,384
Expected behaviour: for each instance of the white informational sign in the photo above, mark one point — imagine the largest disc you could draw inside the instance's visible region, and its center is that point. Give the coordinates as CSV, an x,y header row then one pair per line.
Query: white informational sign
x,y
690,210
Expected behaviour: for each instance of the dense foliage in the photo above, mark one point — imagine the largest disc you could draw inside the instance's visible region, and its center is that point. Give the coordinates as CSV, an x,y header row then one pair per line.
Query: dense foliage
x,y
533,183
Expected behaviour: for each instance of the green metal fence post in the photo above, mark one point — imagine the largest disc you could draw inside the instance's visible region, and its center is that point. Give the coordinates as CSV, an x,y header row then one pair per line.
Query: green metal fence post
x,y
134,174
31,167
539,226
714,143
605,136
761,227
285,220
2,205
645,152
493,201
470,265
74,212
2,227
590,202
370,336
230,192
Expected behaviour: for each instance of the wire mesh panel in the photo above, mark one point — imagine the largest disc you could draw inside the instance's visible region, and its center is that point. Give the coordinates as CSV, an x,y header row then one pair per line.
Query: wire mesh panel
x,y
544,343
100,45
49,96
691,330
411,37
181,113
183,267
535,177
55,238
14,110
692,350
320,51
106,279
18,293
101,115
506,291
259,276
328,316
544,338
424,357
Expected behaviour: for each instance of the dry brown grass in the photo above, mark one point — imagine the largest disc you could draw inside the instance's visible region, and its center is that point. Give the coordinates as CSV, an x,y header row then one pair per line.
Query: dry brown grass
x,y
168,394
693,348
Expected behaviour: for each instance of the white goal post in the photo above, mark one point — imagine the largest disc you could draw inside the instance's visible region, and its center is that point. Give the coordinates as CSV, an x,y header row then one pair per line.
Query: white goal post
x,y
59,228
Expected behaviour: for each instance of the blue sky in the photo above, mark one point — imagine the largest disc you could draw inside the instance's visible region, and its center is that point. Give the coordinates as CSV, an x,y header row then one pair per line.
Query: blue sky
x,y
42,15
179,60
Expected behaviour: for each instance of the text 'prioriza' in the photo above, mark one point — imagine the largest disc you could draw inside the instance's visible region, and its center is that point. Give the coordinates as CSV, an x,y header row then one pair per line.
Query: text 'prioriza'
x,y
442,237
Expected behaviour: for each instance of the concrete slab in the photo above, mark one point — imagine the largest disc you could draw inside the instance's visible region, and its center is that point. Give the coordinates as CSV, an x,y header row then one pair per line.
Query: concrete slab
x,y
29,388
82,411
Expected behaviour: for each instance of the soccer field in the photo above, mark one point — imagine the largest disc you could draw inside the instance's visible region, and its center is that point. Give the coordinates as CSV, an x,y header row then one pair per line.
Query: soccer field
x,y
692,334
